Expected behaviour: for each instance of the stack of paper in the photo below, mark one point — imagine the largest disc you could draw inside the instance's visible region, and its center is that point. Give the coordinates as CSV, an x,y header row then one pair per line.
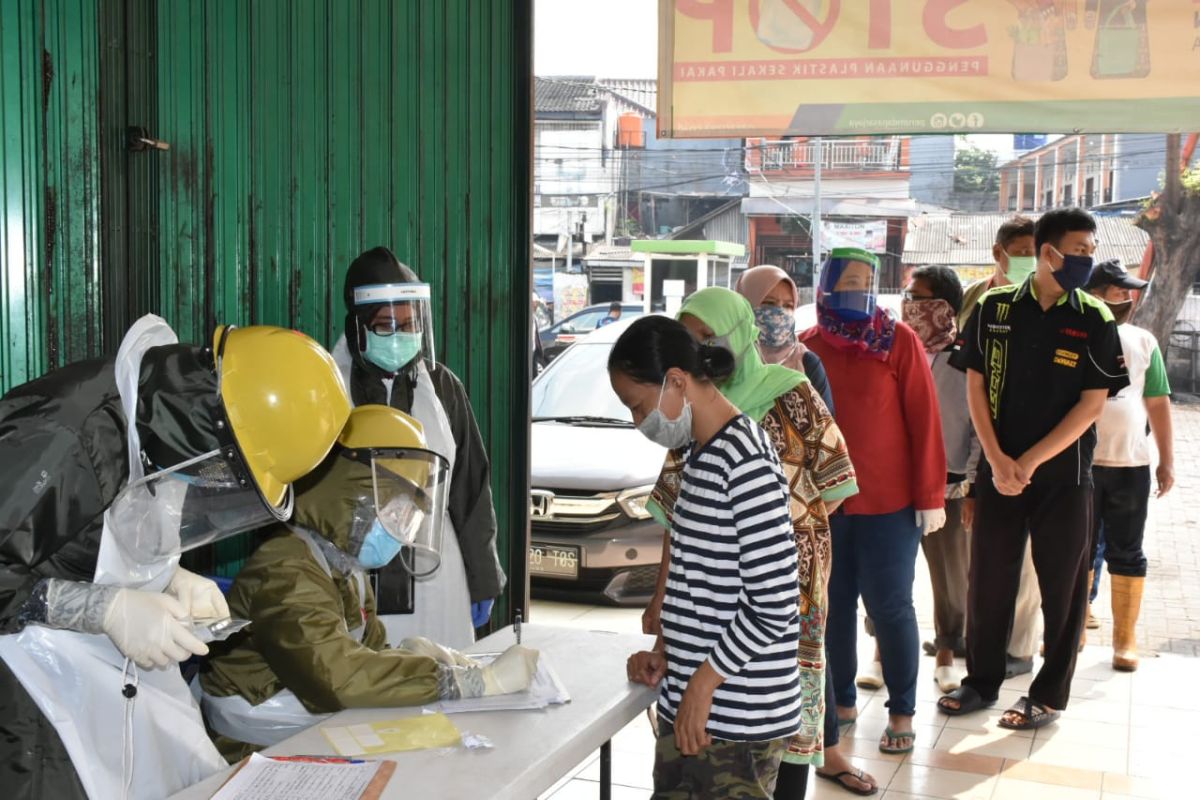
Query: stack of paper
x,y
546,690
393,736
262,778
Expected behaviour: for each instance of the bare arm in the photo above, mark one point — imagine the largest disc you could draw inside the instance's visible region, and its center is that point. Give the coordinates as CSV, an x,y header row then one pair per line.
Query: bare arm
x,y
1081,417
1159,411
651,617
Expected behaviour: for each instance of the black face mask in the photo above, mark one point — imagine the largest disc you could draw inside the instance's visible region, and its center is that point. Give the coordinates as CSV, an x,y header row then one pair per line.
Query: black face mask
x,y
1120,311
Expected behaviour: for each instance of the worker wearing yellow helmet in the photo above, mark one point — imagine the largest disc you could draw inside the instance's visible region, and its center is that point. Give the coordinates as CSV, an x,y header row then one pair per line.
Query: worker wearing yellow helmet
x,y
112,468
316,644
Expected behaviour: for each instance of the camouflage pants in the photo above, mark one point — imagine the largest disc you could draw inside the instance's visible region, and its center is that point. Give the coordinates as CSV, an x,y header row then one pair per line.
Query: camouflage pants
x,y
722,771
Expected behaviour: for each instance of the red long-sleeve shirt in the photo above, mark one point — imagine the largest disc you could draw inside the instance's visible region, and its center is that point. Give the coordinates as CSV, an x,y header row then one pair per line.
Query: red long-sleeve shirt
x,y
888,414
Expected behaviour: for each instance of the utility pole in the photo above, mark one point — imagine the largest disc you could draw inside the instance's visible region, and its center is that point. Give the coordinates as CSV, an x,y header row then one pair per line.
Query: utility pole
x,y
815,218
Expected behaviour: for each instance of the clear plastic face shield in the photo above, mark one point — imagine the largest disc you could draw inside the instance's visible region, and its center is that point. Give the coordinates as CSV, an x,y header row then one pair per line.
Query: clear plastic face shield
x,y
393,335
194,503
409,490
849,283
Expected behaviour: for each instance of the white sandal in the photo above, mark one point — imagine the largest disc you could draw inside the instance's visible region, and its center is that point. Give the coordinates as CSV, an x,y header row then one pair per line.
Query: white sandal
x,y
948,678
871,677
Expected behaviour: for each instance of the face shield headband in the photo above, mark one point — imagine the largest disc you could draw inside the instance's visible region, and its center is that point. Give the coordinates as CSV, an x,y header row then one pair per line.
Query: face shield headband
x,y
393,347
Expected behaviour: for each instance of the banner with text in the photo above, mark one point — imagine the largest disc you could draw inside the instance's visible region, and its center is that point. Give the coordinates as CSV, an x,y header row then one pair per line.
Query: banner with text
x,y
817,67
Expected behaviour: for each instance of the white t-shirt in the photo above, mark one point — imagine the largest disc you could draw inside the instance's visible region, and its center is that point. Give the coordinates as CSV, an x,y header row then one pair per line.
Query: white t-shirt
x,y
1122,426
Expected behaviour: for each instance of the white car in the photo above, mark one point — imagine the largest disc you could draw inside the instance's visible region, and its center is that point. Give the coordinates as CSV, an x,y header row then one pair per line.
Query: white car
x,y
592,473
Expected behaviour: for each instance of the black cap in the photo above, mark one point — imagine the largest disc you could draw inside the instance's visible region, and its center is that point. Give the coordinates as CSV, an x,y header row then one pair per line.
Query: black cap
x,y
1113,273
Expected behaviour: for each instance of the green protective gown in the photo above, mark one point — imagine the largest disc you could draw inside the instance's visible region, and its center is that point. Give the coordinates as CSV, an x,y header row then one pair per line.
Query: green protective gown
x,y
307,622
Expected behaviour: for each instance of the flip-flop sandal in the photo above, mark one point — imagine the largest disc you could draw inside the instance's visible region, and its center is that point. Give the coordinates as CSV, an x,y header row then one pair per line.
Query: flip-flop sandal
x,y
968,700
856,774
898,751
1017,666
846,723
1036,716
947,678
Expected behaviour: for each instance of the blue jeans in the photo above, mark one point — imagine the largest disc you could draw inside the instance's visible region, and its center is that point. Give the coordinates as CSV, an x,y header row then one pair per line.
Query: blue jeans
x,y
1097,565
875,555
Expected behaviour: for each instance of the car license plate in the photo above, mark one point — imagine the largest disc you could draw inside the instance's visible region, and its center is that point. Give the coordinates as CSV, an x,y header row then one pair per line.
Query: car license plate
x,y
555,560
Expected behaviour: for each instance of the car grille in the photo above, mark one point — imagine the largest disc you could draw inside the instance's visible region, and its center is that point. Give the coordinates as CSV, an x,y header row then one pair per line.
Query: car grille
x,y
642,579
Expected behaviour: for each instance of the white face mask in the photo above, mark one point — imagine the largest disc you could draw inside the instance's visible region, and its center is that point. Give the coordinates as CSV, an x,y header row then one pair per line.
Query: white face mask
x,y
669,433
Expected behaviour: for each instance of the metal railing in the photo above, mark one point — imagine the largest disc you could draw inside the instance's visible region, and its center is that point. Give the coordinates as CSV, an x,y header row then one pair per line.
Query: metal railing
x,y
879,155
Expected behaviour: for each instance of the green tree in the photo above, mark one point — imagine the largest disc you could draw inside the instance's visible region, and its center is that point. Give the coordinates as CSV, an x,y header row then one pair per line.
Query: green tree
x,y
975,171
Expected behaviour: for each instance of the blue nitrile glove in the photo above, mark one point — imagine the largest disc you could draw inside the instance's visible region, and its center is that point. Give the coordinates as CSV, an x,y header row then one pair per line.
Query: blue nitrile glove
x,y
481,612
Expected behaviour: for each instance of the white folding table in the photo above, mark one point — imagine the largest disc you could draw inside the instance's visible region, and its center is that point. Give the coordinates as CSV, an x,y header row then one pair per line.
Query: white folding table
x,y
532,749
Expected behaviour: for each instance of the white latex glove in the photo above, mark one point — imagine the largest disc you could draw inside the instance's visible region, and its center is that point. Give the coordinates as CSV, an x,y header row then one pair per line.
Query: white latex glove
x,y
512,671
152,629
930,520
200,597
421,646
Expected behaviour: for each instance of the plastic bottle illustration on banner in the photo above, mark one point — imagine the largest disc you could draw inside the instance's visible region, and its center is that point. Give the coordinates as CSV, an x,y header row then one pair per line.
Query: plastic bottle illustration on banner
x,y
1122,47
795,25
1040,40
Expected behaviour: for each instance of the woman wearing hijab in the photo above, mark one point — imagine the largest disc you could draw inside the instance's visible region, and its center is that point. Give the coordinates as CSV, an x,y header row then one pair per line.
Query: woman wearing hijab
x,y
774,296
811,449
387,358
888,410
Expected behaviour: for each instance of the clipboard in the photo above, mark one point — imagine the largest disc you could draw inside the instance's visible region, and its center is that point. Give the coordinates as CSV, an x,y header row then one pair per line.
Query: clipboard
x,y
297,769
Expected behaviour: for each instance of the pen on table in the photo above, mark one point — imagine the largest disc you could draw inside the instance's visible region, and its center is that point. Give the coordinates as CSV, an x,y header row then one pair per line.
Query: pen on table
x,y
517,627
320,759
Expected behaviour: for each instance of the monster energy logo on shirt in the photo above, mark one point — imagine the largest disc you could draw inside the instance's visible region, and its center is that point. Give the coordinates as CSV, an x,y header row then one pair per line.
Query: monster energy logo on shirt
x,y
997,359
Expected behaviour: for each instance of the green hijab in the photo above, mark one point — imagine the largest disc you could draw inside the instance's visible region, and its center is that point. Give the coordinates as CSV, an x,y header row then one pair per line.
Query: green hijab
x,y
754,386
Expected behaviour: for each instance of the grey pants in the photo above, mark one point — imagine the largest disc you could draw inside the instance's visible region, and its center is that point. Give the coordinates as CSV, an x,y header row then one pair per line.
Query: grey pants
x,y
948,554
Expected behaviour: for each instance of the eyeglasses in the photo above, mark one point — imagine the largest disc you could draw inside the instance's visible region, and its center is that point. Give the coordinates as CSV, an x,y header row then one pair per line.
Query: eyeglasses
x,y
389,327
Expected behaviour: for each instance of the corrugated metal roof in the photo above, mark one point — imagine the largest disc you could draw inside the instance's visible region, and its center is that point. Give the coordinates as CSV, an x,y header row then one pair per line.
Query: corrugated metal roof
x,y
966,239
567,94
642,92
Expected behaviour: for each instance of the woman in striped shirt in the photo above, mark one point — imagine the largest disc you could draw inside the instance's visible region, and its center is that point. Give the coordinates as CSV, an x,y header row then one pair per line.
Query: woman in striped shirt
x,y
726,656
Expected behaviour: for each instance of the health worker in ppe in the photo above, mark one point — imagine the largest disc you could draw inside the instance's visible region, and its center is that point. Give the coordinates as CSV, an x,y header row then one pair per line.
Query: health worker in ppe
x,y
112,468
316,644
387,357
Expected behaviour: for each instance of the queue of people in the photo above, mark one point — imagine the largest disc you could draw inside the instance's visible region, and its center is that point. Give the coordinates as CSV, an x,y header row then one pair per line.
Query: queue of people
x,y
969,426
1001,429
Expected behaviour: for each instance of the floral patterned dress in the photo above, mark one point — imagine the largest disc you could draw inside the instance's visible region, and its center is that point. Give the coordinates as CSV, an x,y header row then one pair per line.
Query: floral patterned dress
x,y
817,465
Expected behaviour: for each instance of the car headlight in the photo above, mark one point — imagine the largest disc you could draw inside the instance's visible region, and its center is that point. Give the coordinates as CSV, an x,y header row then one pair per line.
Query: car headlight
x,y
633,502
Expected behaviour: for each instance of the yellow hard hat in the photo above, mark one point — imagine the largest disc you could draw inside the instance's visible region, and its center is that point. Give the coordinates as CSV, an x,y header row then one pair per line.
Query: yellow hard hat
x,y
375,426
284,399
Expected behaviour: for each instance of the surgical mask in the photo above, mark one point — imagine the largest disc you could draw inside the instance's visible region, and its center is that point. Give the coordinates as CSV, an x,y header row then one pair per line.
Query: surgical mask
x,y
392,352
776,325
378,548
669,433
1120,311
1020,268
1075,271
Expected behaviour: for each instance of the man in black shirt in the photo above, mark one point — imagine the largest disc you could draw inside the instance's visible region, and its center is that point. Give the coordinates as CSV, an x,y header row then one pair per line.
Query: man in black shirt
x,y
1041,356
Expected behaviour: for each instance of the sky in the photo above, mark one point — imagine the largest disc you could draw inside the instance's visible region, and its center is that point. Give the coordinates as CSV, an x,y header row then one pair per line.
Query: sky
x,y
602,38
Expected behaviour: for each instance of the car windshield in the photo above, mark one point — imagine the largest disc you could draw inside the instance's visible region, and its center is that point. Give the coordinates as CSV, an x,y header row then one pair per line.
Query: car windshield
x,y
584,323
576,388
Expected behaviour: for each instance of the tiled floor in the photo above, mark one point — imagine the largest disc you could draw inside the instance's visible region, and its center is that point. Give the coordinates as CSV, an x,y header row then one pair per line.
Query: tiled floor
x,y
1123,736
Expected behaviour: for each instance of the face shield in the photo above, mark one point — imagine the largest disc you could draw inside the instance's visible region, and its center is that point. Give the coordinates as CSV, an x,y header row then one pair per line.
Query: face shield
x,y
409,489
199,501
395,325
849,283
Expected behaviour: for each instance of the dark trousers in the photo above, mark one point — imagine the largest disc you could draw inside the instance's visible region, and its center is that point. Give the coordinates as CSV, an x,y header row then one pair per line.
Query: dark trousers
x,y
947,552
874,555
1057,520
1120,502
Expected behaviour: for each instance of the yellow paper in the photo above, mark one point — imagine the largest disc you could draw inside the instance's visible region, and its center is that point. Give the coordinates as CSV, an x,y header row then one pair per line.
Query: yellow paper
x,y
393,736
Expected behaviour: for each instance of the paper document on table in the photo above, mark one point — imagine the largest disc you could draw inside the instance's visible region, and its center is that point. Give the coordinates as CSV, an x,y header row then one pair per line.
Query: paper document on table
x,y
262,778
545,690
393,735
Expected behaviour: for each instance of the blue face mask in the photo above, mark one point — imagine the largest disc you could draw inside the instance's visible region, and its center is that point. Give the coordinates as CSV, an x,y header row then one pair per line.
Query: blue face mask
x,y
392,352
378,548
1074,273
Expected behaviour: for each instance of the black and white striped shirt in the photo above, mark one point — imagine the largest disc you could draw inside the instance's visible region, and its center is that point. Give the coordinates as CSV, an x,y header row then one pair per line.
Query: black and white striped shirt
x,y
732,589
